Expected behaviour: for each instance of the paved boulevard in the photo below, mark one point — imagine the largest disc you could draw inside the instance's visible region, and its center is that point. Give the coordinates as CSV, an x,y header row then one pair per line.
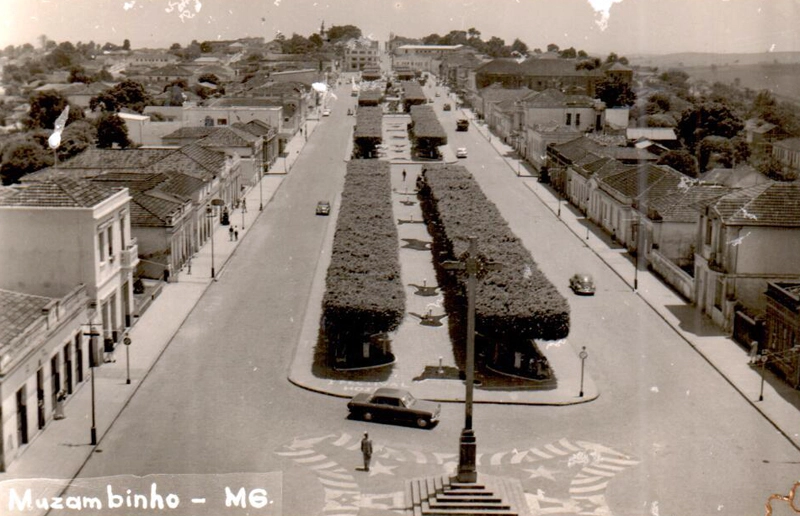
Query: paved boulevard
x,y
667,436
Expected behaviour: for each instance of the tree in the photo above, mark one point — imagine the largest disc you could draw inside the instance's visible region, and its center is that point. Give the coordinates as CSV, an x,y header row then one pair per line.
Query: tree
x,y
675,78
519,46
588,64
773,169
297,44
658,102
175,46
103,76
111,129
76,138
568,53
707,119
432,39
206,47
316,40
582,54
456,37
126,45
338,33
496,47
22,158
46,106
680,160
60,58
612,58
552,47
127,94
615,92
78,74
209,77
713,152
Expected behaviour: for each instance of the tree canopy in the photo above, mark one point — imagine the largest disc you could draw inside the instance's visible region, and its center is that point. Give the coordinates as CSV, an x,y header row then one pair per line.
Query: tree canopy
x,y
111,129
46,106
127,94
615,92
708,119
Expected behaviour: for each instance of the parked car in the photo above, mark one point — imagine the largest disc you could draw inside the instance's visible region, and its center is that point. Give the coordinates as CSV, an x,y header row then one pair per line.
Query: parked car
x,y
447,107
437,94
394,405
326,112
323,208
461,152
582,284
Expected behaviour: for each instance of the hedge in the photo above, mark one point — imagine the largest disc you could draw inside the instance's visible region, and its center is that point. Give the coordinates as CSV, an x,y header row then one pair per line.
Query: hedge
x,y
364,294
427,134
515,303
368,132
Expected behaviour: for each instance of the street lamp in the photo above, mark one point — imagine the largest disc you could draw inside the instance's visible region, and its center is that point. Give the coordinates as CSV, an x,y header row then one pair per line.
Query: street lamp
x,y
473,266
583,355
210,216
91,310
243,208
635,228
261,187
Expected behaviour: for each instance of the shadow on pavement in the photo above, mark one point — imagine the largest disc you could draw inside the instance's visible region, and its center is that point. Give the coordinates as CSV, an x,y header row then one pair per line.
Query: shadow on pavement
x,y
694,322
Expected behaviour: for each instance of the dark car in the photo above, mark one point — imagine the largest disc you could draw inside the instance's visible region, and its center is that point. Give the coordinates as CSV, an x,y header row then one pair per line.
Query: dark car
x,y
582,284
394,405
323,208
447,107
462,125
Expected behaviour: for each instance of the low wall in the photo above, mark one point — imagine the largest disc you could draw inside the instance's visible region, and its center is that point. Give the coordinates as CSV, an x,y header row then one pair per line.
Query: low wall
x,y
676,277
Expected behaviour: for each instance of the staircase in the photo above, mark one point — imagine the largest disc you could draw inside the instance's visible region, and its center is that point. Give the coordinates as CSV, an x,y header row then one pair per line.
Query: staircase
x,y
445,496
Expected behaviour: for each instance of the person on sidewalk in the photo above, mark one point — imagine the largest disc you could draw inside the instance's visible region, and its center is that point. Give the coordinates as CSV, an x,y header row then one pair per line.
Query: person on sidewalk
x,y
366,450
754,352
230,234
404,175
244,205
235,233
59,411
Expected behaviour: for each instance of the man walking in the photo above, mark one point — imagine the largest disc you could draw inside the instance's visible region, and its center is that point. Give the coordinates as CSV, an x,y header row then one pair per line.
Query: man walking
x,y
366,450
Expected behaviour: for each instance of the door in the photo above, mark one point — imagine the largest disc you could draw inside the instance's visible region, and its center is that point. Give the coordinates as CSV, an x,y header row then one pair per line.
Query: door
x,y
68,367
22,417
55,379
40,397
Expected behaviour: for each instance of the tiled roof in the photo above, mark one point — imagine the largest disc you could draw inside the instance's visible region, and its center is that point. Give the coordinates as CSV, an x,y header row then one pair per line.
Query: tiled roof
x,y
628,153
181,185
645,182
17,312
495,94
140,181
247,102
116,158
62,192
554,98
170,70
769,204
255,127
651,133
151,211
575,149
738,177
789,143
228,137
681,205
196,132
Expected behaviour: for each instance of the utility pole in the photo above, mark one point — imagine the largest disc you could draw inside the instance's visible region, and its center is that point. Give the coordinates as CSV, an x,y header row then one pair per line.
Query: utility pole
x,y
473,266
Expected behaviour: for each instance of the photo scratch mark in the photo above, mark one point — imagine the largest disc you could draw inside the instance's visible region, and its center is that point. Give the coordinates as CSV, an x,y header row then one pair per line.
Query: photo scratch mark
x,y
736,241
182,8
129,5
603,9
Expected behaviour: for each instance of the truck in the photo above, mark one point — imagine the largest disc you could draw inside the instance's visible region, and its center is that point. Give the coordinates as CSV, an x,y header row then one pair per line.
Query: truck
x,y
462,125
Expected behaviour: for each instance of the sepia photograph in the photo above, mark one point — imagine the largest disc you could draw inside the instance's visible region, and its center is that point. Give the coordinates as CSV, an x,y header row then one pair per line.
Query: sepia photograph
x,y
399,257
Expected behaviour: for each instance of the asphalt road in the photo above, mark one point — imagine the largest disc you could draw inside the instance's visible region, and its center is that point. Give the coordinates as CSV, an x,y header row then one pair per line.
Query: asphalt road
x,y
667,435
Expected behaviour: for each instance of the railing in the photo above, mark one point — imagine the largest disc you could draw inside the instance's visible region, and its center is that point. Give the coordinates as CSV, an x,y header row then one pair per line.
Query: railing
x,y
129,257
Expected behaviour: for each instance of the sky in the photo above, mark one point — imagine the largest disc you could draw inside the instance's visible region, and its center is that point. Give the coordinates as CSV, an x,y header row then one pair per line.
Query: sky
x,y
627,27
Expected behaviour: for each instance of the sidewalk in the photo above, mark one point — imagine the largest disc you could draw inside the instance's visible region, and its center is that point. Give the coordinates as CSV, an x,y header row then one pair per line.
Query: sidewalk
x,y
781,403
61,449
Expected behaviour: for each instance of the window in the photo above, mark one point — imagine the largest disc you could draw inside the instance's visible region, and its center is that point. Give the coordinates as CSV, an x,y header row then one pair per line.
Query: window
x,y
719,287
110,242
577,119
222,121
709,226
569,118
101,246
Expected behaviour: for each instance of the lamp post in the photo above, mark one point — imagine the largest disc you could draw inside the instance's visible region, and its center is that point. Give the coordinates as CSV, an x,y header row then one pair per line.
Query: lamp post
x,y
92,364
243,205
583,355
210,216
261,187
635,228
473,266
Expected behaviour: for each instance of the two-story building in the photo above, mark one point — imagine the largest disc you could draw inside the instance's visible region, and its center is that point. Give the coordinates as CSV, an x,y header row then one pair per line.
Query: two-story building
x,y
745,240
63,232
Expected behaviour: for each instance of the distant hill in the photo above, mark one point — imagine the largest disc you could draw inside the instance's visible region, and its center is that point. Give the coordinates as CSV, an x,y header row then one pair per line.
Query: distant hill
x,y
703,59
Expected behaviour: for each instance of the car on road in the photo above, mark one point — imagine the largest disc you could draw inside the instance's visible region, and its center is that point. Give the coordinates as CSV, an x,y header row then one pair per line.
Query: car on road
x,y
447,107
461,152
582,284
326,112
462,125
437,94
323,208
394,405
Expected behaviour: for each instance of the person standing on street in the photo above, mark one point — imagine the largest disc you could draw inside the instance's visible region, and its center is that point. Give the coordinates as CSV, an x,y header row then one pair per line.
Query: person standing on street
x,y
404,175
230,233
366,450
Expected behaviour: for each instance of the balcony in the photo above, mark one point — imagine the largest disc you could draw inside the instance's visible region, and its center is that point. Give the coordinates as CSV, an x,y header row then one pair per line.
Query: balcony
x,y
129,257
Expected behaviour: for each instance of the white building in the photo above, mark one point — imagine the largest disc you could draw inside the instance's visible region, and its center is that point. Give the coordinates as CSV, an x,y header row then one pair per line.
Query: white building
x,y
64,232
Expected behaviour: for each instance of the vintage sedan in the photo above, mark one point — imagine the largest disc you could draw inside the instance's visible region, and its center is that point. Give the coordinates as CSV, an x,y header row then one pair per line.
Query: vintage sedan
x,y
461,152
582,284
323,208
394,405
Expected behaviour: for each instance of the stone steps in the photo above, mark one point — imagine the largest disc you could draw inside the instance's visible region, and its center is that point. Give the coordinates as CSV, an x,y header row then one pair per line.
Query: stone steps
x,y
441,496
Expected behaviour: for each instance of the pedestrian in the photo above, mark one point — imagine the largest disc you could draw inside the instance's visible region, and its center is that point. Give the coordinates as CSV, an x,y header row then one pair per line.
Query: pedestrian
x,y
366,450
754,352
230,233
244,205
235,233
404,175
59,411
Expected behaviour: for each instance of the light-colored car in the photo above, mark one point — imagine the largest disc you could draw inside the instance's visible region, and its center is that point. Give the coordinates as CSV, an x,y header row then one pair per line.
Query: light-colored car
x,y
323,208
326,112
461,152
394,405
582,284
